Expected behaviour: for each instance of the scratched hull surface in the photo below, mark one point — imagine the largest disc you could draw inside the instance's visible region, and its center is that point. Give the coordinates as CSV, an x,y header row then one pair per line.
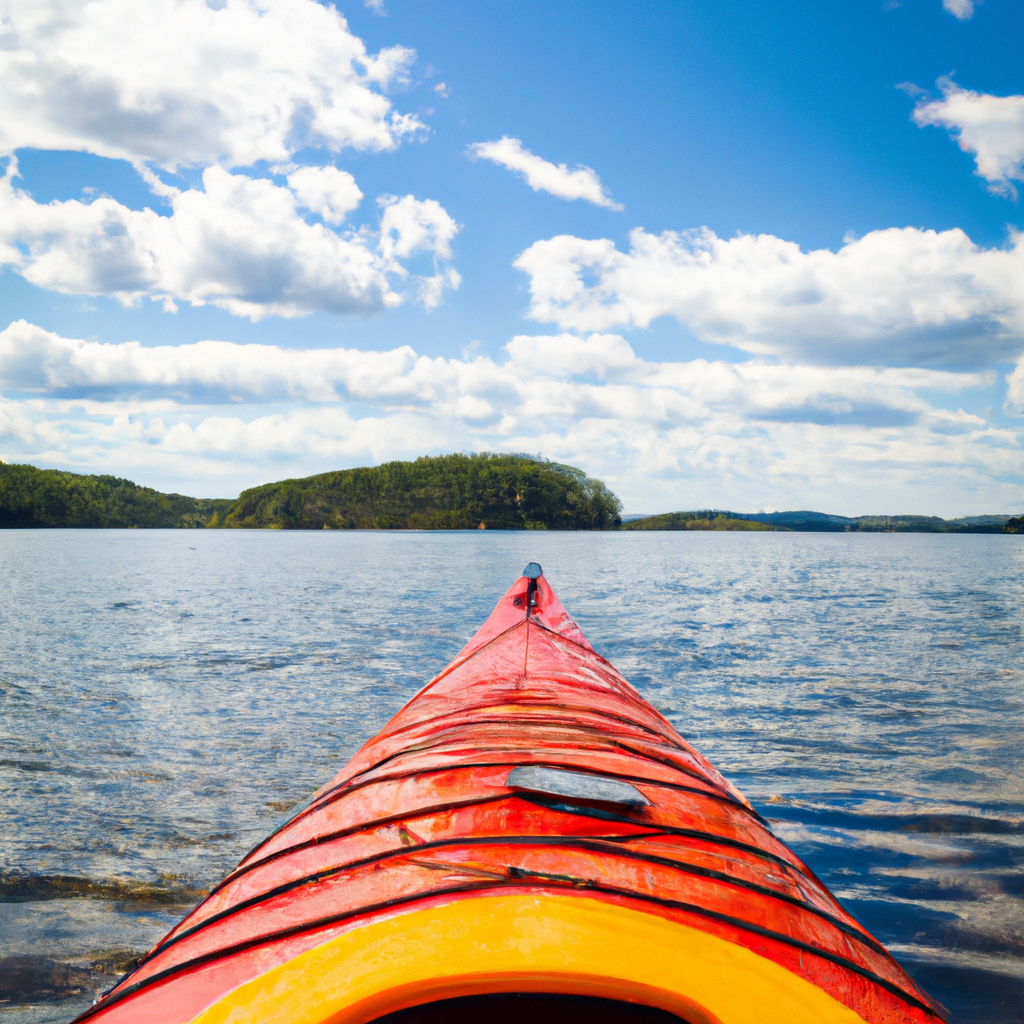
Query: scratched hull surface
x,y
477,814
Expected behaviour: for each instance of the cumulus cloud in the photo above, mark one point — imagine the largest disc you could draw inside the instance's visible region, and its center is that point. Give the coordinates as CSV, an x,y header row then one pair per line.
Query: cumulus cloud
x,y
962,10
990,127
663,434
411,225
1015,390
187,83
239,244
901,295
326,191
542,176
174,83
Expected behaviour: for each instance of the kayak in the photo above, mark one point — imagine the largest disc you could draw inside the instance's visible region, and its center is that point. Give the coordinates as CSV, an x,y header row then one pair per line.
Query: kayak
x,y
526,840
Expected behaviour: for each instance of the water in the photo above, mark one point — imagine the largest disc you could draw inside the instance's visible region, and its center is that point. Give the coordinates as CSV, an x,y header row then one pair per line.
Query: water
x,y
166,696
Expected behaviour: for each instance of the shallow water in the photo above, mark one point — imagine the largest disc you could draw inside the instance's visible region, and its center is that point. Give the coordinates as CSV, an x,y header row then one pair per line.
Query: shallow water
x,y
165,696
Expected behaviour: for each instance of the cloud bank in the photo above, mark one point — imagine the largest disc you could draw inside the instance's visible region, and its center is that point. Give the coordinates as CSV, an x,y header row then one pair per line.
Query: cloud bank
x,y
990,127
902,295
42,362
542,176
664,434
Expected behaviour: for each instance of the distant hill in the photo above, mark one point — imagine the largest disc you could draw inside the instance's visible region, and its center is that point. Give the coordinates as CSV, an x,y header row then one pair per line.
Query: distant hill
x,y
447,492
695,521
31,497
822,522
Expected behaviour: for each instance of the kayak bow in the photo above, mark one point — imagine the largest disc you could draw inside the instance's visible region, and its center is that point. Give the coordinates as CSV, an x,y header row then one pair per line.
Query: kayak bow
x,y
526,838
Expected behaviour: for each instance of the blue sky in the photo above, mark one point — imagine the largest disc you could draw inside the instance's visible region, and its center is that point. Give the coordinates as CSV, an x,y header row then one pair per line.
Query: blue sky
x,y
743,255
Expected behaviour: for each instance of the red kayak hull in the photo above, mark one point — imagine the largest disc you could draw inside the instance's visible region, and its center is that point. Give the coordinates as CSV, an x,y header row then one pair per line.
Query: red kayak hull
x,y
529,812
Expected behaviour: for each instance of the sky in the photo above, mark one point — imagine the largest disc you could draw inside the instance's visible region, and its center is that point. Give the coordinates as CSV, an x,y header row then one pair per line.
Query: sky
x,y
719,254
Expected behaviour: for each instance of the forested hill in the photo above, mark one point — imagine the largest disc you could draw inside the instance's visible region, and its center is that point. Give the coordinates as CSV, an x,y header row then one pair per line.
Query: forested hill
x,y
822,522
447,492
444,493
695,521
31,497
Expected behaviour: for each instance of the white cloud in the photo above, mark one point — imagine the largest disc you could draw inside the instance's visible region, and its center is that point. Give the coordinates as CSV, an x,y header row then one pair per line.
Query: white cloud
x,y
962,10
377,6
1015,390
990,127
662,434
411,225
570,372
187,83
542,176
173,83
326,191
902,295
430,290
240,244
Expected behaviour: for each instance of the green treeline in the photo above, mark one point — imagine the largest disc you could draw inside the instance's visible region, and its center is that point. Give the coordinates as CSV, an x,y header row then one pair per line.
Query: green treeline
x,y
447,492
821,522
695,521
31,497
450,492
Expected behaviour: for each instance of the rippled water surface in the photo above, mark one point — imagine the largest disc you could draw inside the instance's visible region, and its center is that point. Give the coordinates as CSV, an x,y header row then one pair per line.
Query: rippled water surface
x,y
166,696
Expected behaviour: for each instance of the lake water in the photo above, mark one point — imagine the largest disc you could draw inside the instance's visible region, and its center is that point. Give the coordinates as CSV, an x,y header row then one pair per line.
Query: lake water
x,y
165,696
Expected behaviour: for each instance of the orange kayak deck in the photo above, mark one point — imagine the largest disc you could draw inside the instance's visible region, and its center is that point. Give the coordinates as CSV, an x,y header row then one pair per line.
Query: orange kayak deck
x,y
527,823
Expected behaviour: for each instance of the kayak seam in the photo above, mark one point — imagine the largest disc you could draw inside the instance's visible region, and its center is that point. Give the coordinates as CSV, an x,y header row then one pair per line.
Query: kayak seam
x,y
526,648
615,744
597,712
631,692
415,812
547,720
835,958
595,844
345,788
326,922
200,961
366,826
457,663
585,646
552,841
713,793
